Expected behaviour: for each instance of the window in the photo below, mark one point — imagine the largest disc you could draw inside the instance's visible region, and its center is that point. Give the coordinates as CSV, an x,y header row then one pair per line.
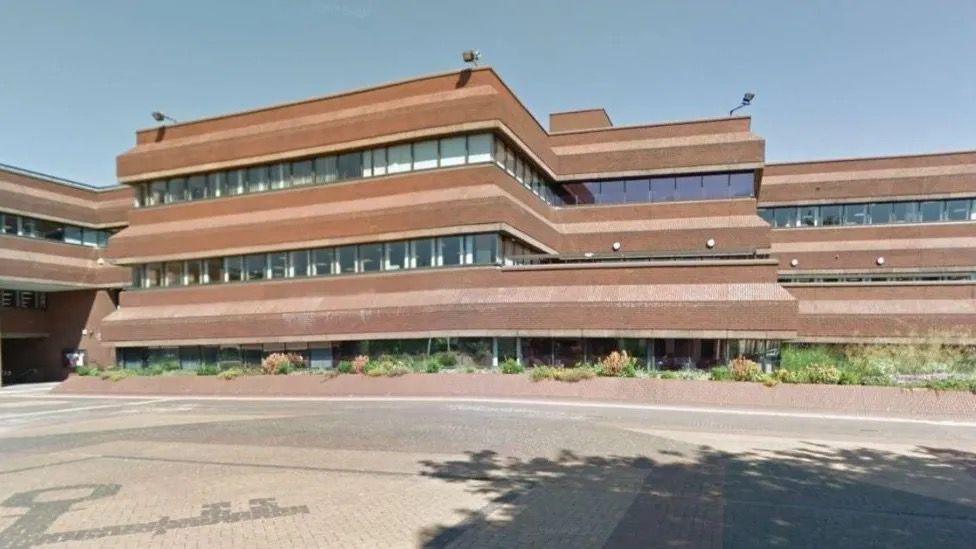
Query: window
x,y
662,189
809,216
638,190
157,192
326,170
257,179
742,184
904,212
26,300
370,258
425,155
9,224
8,299
855,214
396,256
214,271
154,275
423,252
301,173
176,190
485,248
880,212
50,230
688,187
479,148
236,182
278,264
367,164
957,210
322,262
400,158
234,268
298,264
715,186
612,192
280,176
255,266
451,250
103,238
379,162
830,215
89,237
930,211
347,259
510,161
766,214
28,227
174,273
193,273
137,276
453,151
350,165
217,184
784,217
197,187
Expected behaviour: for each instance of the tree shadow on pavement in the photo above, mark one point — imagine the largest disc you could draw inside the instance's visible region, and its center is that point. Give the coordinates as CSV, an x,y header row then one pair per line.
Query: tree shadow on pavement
x,y
810,496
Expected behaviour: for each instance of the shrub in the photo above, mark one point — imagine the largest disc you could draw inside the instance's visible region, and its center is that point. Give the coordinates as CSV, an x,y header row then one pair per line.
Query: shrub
x,y
432,367
281,363
769,380
720,373
230,373
630,370
208,370
345,367
822,374
614,364
88,371
743,369
360,363
511,366
796,357
470,370
786,376
117,374
446,359
952,384
389,368
554,373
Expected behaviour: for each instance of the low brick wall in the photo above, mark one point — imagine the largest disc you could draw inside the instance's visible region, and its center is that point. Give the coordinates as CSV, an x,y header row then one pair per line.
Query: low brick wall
x,y
813,398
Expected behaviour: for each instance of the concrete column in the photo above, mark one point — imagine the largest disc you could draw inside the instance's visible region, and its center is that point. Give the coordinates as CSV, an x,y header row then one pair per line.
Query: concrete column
x,y
494,352
518,350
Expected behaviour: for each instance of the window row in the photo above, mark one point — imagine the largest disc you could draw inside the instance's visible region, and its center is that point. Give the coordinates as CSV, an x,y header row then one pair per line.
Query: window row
x,y
714,186
21,299
445,251
31,227
887,277
406,157
871,213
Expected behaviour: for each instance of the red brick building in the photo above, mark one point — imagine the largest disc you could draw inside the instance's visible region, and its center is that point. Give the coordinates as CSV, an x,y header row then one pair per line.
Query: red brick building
x,y
437,214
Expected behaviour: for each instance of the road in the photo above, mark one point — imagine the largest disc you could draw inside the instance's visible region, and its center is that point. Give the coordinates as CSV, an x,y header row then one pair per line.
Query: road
x,y
182,472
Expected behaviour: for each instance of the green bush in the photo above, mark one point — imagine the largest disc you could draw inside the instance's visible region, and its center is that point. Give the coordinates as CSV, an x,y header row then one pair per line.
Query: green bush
x,y
88,371
117,374
743,369
797,357
720,373
388,368
511,366
630,370
571,375
821,374
952,384
208,370
344,367
432,367
230,373
446,359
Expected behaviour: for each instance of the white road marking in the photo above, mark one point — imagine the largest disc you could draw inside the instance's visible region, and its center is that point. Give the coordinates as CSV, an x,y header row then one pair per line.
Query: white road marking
x,y
551,403
83,409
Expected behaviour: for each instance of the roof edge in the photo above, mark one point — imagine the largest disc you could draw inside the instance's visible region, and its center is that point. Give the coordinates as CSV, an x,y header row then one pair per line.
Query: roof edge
x,y
58,180
862,158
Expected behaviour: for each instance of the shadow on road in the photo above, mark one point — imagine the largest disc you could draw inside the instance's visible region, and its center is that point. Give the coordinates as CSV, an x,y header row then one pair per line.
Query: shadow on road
x,y
812,496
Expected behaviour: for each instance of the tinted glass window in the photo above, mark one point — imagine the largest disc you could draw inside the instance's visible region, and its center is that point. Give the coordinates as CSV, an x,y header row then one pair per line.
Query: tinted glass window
x,y
957,210
785,217
479,148
157,192
215,270
766,214
236,182
322,261
257,179
399,158
177,190
741,184
855,214
931,211
299,263
485,248
638,190
278,264
347,259
396,256
217,184
197,187
350,165
880,213
325,169
280,176
904,212
301,173
154,275
830,215
370,257
174,273
255,265
688,187
425,155
715,186
193,274
451,249
809,216
453,151
612,192
234,268
423,251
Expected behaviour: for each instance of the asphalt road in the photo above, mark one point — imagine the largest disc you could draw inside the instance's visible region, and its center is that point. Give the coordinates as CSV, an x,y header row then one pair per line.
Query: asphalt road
x,y
148,472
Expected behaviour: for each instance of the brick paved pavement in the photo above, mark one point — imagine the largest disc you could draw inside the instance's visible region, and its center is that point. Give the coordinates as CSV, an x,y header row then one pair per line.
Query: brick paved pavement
x,y
179,473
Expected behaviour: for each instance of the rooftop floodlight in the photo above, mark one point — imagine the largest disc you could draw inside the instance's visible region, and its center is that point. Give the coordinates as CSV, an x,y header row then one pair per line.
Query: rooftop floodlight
x,y
746,101
161,117
471,56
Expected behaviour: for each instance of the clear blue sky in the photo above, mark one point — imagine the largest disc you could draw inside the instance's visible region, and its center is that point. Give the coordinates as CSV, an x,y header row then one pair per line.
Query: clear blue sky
x,y
833,78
